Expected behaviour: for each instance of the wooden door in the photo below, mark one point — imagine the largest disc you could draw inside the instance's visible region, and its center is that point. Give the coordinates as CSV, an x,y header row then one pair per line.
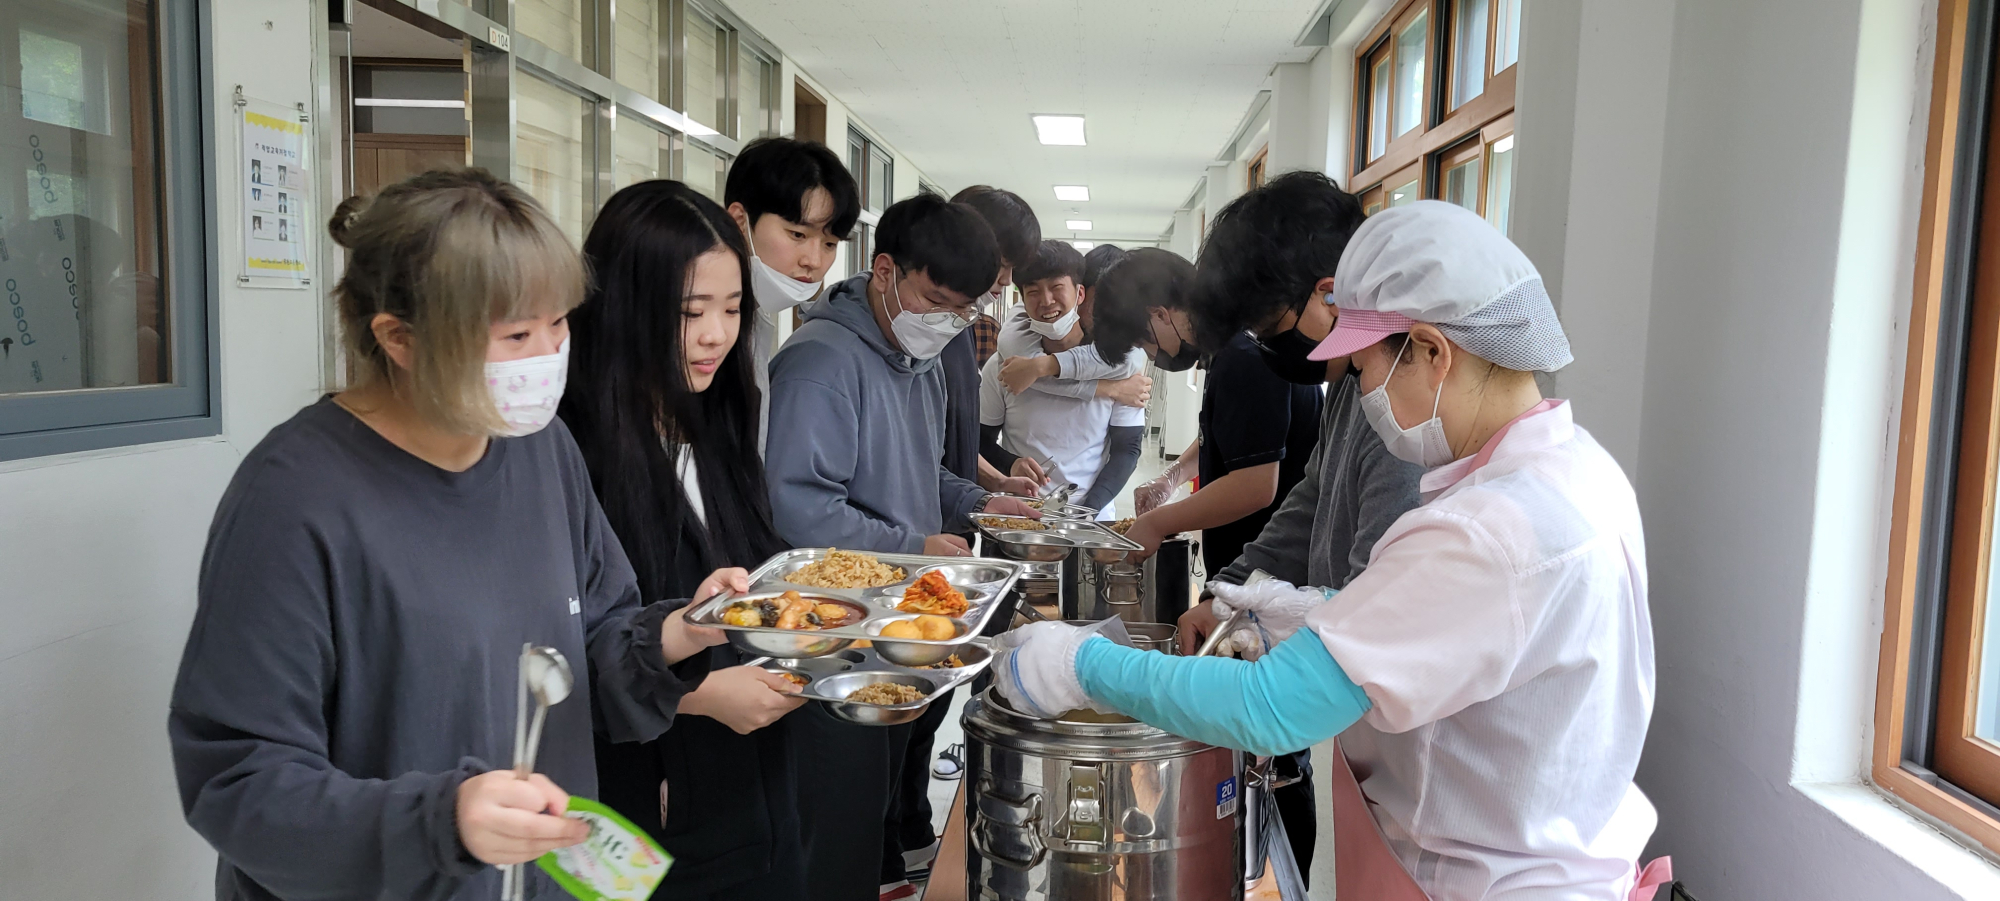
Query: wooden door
x,y
381,160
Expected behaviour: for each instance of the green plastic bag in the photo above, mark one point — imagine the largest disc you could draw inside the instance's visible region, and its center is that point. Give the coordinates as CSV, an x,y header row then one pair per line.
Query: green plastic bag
x,y
618,862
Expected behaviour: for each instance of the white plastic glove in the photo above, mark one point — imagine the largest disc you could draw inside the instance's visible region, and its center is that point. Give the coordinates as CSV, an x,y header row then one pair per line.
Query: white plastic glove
x,y
1034,667
1280,606
1154,494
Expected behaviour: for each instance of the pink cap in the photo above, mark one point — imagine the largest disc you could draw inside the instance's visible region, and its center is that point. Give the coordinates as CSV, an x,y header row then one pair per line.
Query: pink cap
x,y
1357,329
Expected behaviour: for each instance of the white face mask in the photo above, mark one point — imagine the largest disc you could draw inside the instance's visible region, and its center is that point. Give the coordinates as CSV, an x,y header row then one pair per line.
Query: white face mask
x,y
775,291
923,335
1425,444
526,391
1057,330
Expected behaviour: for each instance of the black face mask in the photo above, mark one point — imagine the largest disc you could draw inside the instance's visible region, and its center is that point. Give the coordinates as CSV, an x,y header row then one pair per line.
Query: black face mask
x,y
1180,362
1286,353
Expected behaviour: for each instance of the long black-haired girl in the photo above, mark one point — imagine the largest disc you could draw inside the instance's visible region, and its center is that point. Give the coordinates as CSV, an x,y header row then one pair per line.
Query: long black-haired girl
x,y
663,400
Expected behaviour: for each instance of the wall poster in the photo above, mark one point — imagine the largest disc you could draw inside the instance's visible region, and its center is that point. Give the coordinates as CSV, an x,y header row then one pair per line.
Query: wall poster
x,y
277,222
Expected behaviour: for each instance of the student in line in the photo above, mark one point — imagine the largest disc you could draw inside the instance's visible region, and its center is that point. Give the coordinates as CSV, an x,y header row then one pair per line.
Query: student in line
x,y
343,720
663,403
1017,233
857,435
795,203
1091,442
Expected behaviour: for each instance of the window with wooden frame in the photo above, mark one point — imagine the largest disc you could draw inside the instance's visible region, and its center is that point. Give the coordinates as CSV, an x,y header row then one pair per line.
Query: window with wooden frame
x,y
1374,200
1937,730
1255,175
1430,83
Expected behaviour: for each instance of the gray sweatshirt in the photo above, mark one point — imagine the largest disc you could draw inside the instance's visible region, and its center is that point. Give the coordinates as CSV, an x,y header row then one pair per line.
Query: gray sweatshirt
x,y
354,653
1352,491
857,436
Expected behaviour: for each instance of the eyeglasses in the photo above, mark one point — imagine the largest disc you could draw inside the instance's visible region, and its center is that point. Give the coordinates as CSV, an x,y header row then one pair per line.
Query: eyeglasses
x,y
1298,312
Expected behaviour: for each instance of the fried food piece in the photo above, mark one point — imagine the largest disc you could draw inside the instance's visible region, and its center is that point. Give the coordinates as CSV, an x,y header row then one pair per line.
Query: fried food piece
x,y
936,628
830,615
795,679
902,628
885,694
742,613
1123,525
793,614
932,594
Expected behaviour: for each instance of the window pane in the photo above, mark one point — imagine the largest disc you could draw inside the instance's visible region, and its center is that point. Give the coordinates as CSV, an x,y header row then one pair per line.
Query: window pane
x,y
1468,64
1404,194
1410,45
702,170
557,23
548,150
1506,35
637,152
881,178
704,89
1378,108
378,83
1500,183
637,41
1461,184
80,223
753,108
1986,715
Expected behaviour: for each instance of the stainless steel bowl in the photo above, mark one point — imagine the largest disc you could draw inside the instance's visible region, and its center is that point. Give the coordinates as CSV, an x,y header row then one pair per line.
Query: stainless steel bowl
x,y
971,655
773,642
1035,547
836,687
916,652
1153,636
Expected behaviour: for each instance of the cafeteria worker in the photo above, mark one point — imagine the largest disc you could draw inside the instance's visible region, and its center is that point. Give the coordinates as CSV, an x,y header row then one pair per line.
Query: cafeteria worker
x,y
1490,674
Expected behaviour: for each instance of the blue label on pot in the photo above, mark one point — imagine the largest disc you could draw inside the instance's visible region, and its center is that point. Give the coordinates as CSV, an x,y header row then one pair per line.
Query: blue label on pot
x,y
1225,798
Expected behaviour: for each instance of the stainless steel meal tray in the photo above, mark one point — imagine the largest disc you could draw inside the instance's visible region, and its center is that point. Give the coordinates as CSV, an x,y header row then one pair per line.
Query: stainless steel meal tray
x,y
984,582
1056,511
1057,540
831,678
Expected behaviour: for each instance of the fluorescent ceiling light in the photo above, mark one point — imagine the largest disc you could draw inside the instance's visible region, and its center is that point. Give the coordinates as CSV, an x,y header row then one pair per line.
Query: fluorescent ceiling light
x,y
1072,192
418,104
1077,225
1059,129
1083,245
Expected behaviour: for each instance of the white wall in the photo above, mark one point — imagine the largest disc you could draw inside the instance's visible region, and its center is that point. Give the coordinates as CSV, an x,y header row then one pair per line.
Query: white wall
x,y
1725,206
102,555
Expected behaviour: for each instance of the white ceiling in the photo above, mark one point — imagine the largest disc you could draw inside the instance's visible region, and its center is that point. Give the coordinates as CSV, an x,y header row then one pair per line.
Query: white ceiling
x,y
951,84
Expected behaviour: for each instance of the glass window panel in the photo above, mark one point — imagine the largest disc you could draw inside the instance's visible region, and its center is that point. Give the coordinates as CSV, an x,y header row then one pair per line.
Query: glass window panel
x,y
1404,194
557,23
638,153
1468,63
80,229
701,168
1506,34
1410,48
409,84
753,107
881,178
1461,184
702,95
1986,710
1500,183
548,150
637,42
1378,108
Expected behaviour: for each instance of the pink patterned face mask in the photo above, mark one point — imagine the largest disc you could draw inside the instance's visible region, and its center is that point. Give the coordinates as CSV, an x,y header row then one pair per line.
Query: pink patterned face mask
x,y
526,391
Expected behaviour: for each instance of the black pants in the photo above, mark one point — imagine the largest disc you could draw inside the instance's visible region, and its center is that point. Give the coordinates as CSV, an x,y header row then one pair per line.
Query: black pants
x,y
1297,808
847,778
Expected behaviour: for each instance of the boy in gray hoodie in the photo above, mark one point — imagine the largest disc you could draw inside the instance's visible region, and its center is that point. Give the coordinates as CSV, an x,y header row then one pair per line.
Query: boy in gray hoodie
x,y
858,399
854,461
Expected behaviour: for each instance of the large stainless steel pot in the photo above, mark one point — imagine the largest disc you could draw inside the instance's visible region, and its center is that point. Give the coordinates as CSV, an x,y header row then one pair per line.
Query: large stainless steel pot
x,y
1062,810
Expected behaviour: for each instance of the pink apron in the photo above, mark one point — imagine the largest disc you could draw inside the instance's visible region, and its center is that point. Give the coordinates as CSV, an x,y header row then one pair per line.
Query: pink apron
x,y
1364,869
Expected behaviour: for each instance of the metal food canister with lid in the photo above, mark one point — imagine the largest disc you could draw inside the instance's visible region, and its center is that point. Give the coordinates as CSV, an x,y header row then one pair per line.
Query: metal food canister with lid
x,y
1097,808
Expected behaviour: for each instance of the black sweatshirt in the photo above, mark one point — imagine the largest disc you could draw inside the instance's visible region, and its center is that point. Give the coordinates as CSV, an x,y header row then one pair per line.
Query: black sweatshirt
x,y
354,655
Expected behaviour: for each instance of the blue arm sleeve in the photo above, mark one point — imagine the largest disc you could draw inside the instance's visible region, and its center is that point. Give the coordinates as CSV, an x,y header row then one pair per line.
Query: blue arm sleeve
x,y
1292,698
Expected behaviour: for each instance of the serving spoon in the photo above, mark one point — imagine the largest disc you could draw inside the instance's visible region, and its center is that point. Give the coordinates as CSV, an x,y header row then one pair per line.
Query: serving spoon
x,y
545,675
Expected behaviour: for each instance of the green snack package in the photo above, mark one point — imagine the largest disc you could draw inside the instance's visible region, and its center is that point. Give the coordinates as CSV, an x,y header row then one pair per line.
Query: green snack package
x,y
618,862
